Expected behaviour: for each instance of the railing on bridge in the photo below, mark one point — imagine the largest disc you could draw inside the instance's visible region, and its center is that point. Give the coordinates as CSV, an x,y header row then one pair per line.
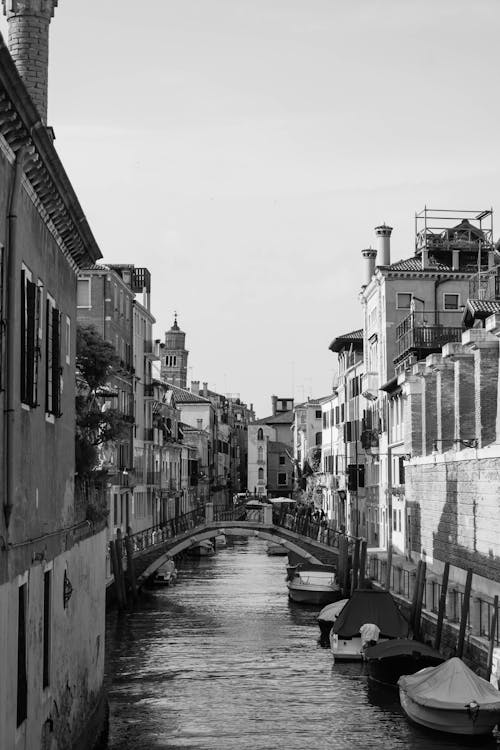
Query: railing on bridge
x,y
160,533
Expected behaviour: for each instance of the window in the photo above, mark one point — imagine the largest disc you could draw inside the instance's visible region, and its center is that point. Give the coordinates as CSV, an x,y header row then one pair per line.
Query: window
x,y
451,301
53,360
22,682
318,413
261,474
46,627
260,453
83,293
282,478
319,437
282,460
403,301
260,434
29,339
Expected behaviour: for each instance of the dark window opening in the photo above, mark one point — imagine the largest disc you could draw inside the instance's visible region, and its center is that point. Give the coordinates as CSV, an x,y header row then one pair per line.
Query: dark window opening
x,y
46,627
22,682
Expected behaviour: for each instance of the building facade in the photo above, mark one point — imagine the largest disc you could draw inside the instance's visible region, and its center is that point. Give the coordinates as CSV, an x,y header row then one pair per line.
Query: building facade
x,y
52,568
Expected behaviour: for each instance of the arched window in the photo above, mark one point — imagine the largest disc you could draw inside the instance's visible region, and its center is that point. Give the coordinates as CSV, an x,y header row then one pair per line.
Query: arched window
x,y
260,456
318,438
261,473
260,434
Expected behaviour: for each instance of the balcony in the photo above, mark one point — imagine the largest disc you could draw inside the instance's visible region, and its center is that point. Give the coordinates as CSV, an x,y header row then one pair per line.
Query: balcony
x,y
416,338
485,285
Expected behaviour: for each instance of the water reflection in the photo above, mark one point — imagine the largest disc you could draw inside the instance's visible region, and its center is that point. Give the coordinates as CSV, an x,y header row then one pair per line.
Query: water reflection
x,y
224,661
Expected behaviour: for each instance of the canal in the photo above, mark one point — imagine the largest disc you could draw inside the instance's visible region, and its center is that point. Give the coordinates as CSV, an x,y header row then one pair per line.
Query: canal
x,y
223,661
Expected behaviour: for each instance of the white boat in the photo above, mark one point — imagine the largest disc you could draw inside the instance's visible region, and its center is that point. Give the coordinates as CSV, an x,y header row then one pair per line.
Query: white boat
x,y
367,607
450,698
220,540
313,584
166,574
273,548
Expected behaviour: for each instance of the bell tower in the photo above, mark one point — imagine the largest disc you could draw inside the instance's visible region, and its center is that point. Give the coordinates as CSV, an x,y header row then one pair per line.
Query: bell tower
x,y
174,356
28,42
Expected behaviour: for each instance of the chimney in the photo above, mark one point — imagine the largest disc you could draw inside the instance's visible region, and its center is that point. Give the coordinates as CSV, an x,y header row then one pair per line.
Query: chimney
x,y
28,22
383,233
369,254
195,387
274,401
205,389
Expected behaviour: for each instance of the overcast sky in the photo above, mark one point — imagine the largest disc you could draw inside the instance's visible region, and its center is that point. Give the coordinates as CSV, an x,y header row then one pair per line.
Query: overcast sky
x,y
244,150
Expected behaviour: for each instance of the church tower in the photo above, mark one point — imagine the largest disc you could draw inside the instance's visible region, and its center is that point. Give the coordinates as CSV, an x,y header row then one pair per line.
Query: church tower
x,y
174,356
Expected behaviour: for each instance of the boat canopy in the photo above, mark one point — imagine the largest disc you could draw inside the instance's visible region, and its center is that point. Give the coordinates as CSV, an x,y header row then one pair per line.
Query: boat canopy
x,y
451,685
332,611
370,605
401,647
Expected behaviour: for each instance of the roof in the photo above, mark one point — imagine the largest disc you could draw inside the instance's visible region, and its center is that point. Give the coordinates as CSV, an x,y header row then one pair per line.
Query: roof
x,y
354,337
43,167
285,417
479,309
415,264
182,396
370,605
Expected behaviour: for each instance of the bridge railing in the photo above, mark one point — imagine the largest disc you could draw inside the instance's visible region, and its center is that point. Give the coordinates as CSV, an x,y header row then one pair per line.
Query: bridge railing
x,y
319,532
153,535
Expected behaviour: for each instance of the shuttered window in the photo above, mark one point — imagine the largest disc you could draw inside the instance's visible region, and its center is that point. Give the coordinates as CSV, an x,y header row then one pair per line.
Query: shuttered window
x,y
53,360
29,340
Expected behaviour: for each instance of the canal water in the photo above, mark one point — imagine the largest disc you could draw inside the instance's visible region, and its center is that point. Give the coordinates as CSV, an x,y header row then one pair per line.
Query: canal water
x,y
224,661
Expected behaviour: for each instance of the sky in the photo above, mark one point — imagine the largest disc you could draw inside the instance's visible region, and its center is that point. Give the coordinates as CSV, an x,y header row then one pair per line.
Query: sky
x,y
244,151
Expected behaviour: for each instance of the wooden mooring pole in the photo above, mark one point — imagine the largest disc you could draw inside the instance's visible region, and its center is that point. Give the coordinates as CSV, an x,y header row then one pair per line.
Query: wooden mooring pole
x,y
414,598
362,564
442,606
420,599
355,566
131,567
493,632
119,560
464,615
114,567
344,565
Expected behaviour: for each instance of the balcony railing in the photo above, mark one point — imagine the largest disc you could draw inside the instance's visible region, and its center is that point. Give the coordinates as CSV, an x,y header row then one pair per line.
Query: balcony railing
x,y
414,334
485,285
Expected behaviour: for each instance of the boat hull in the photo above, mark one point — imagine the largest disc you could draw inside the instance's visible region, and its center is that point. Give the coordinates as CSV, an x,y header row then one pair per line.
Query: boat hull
x,y
389,670
348,649
308,594
450,721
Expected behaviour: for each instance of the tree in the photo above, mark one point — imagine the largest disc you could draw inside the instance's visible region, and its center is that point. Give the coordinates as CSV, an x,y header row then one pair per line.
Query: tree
x,y
96,423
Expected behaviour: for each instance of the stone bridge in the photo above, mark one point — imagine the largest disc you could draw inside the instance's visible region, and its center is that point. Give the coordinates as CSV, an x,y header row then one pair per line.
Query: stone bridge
x,y
149,549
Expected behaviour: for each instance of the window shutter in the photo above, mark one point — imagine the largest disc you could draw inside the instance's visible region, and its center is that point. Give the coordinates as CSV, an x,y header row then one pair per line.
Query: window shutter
x,y
23,337
30,354
56,362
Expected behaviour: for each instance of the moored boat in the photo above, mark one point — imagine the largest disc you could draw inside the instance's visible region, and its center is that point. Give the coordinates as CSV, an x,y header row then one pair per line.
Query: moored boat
x,y
273,548
329,614
369,615
220,540
313,584
388,660
450,698
203,549
166,574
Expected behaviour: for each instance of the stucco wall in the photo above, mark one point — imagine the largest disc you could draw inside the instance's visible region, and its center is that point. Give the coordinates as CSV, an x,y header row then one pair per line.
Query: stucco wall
x,y
77,651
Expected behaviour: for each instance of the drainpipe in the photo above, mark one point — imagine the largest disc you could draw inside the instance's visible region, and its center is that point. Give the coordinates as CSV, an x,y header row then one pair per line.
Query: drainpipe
x,y
12,297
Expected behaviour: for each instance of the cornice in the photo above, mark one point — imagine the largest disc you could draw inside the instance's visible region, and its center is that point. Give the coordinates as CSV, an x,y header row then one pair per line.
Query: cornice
x,y
46,180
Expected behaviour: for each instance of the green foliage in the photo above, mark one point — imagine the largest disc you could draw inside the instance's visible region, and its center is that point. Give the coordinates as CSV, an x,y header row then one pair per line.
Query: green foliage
x,y
96,360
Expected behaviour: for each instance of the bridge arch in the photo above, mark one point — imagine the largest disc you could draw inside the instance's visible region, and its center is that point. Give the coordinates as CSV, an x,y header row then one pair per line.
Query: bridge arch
x,y
193,538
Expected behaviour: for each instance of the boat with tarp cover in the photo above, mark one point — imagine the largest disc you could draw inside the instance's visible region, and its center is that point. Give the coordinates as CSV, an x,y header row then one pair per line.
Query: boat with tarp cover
x,y
369,616
387,661
450,698
310,583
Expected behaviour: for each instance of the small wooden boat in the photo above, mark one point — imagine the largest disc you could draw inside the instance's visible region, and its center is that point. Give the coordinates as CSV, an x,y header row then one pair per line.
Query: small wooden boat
x,y
203,549
387,661
313,584
367,609
166,574
450,698
329,614
274,548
